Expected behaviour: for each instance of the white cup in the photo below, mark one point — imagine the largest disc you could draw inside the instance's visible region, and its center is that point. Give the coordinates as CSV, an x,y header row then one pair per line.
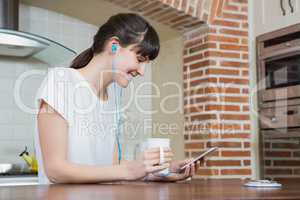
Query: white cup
x,y
162,143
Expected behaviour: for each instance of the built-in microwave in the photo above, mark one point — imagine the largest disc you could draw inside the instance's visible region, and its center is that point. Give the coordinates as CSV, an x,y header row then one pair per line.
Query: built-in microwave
x,y
279,65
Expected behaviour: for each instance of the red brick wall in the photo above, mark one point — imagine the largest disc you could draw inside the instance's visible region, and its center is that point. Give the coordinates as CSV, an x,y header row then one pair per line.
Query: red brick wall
x,y
281,158
216,90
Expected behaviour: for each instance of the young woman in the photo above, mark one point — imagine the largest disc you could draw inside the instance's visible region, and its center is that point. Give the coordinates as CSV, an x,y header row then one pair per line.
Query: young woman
x,y
76,141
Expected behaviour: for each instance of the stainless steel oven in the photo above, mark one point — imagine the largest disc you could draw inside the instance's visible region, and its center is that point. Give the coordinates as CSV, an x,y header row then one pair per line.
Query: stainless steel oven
x,y
279,64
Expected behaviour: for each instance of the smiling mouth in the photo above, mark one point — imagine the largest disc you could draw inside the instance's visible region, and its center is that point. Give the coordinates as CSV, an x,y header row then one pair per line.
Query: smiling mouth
x,y
129,77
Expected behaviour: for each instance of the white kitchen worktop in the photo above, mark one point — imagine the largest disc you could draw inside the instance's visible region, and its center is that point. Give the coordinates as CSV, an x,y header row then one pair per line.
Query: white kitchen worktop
x,y
18,180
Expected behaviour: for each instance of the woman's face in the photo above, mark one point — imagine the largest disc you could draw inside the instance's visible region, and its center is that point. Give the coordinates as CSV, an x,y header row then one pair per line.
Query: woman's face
x,y
128,64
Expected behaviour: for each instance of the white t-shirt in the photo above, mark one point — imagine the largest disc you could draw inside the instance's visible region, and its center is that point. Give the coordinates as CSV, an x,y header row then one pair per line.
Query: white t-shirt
x,y
91,135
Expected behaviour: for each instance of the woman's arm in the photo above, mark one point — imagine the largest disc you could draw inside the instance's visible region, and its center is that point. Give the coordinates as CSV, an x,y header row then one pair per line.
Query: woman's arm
x,y
53,131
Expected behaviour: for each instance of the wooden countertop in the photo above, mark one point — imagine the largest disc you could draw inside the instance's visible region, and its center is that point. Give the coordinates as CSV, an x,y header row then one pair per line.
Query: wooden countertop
x,y
195,189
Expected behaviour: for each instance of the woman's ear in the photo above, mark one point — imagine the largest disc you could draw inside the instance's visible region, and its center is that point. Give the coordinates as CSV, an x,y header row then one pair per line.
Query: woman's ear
x,y
113,45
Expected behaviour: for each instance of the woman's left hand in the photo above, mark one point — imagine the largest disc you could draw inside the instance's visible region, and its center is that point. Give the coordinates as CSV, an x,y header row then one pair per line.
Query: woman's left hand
x,y
175,173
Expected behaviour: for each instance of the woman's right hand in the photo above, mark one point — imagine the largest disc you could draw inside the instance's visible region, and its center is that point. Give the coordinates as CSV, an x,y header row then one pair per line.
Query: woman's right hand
x,y
146,163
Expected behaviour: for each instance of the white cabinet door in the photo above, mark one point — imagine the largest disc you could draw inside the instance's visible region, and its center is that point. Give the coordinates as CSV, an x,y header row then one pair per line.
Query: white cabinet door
x,y
268,15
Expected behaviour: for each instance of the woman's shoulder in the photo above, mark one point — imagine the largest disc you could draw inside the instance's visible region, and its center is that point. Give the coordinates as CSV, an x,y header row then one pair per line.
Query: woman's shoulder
x,y
62,74
60,71
57,78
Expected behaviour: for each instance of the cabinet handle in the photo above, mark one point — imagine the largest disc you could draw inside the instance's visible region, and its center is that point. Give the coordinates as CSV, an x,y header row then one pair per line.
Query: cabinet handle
x,y
274,119
282,8
291,6
288,44
291,112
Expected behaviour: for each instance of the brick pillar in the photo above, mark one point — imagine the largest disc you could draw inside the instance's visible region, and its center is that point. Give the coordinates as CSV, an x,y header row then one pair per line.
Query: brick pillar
x,y
216,89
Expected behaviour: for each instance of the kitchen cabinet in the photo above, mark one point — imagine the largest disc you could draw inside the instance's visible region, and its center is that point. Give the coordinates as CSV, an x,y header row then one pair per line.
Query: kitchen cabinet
x,y
278,56
269,15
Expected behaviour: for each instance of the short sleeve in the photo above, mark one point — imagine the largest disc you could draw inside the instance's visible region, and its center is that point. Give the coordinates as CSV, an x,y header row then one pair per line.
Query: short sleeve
x,y
55,90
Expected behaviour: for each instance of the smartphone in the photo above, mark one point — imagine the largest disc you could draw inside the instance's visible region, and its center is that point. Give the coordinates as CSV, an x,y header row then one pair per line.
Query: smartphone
x,y
199,157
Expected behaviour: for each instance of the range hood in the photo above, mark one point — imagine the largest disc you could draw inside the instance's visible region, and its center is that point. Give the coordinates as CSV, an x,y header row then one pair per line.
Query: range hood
x,y
23,44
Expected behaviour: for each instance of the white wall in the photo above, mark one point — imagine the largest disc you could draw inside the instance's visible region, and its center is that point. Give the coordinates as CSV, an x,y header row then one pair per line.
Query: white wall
x,y
16,126
167,75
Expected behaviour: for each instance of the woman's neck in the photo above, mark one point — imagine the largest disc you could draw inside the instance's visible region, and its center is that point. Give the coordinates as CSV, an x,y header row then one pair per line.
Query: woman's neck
x,y
98,72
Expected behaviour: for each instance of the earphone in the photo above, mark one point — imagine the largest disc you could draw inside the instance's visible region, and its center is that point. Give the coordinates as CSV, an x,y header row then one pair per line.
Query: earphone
x,y
118,98
114,48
